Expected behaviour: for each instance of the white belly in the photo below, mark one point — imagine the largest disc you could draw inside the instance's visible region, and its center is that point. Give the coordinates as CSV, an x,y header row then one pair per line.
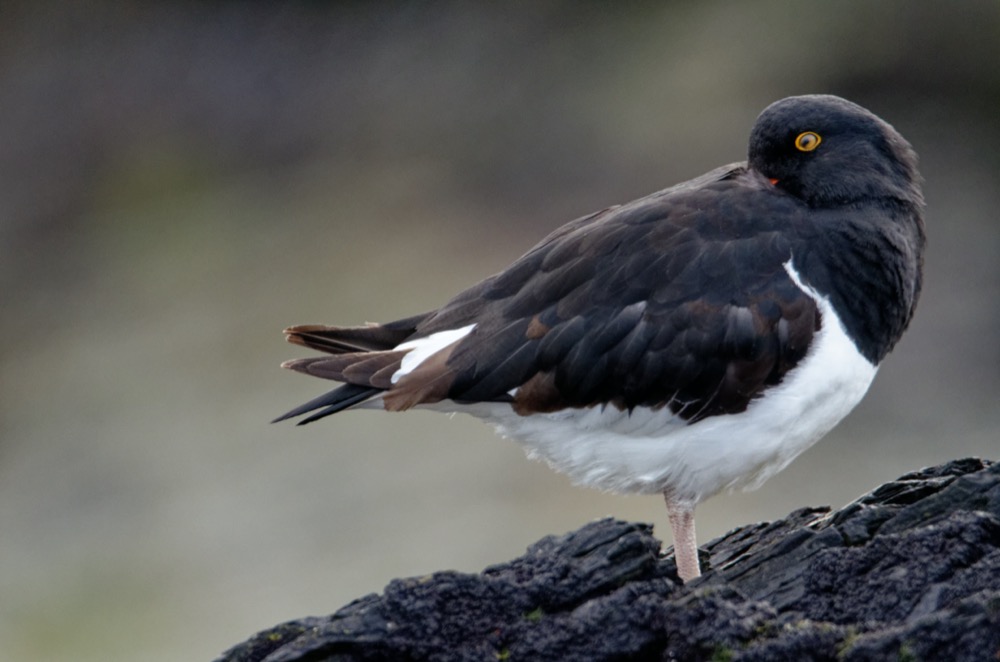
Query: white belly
x,y
651,451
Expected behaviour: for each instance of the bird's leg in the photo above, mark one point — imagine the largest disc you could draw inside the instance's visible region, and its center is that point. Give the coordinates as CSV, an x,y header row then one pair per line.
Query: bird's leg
x,y
681,515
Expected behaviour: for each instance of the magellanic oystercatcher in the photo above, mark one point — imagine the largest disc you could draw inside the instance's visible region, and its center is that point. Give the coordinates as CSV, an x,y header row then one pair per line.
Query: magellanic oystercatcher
x,y
692,341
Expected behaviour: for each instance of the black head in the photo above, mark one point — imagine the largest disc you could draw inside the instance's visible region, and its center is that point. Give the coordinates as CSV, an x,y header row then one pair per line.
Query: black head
x,y
829,151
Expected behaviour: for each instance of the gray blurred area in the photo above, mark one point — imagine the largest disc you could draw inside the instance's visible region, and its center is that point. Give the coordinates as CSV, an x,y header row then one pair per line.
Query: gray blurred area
x,y
178,182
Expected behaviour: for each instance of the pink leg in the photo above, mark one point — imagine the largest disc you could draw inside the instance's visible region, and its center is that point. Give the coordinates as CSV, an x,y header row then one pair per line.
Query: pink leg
x,y
681,515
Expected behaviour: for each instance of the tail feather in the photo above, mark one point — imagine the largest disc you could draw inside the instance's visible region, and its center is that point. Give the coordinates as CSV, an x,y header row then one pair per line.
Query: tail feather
x,y
363,368
352,339
339,399
362,357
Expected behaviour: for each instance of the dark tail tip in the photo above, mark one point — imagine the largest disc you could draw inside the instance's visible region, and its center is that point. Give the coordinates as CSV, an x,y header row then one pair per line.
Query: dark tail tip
x,y
339,399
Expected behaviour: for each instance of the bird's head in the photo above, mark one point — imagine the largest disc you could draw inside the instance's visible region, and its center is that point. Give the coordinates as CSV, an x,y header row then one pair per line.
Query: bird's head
x,y
828,151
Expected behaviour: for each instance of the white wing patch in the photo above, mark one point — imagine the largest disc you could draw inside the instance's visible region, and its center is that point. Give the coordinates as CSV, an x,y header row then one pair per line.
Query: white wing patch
x,y
422,349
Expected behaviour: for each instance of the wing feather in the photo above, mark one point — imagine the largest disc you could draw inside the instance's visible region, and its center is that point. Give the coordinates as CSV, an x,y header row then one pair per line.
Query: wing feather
x,y
677,300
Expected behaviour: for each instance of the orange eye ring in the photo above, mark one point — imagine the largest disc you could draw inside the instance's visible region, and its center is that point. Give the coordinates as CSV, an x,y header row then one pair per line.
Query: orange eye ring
x,y
807,141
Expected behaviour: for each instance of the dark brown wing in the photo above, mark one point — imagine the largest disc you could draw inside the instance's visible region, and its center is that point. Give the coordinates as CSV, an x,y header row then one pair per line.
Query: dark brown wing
x,y
678,300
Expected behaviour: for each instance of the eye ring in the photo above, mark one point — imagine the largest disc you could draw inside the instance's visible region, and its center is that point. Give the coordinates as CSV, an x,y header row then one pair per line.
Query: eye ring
x,y
807,141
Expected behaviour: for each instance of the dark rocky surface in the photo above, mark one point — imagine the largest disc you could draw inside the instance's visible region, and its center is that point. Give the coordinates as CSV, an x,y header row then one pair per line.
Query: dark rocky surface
x,y
910,571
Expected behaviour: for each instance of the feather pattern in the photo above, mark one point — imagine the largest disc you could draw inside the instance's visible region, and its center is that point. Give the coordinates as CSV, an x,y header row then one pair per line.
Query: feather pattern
x,y
678,300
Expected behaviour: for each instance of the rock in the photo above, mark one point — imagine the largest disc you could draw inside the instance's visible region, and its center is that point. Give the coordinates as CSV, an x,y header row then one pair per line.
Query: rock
x,y
910,571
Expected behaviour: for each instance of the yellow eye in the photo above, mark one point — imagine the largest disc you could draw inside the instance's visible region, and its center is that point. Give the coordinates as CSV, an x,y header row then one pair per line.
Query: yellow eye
x,y
808,141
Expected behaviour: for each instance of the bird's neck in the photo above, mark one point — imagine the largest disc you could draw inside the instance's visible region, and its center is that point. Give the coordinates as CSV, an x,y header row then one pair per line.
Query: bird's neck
x,y
867,260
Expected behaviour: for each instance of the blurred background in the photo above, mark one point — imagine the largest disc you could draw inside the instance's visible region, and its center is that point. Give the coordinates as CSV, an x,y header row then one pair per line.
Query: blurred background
x,y
180,181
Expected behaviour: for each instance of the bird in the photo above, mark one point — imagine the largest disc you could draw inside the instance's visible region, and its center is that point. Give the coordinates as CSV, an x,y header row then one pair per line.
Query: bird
x,y
690,342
